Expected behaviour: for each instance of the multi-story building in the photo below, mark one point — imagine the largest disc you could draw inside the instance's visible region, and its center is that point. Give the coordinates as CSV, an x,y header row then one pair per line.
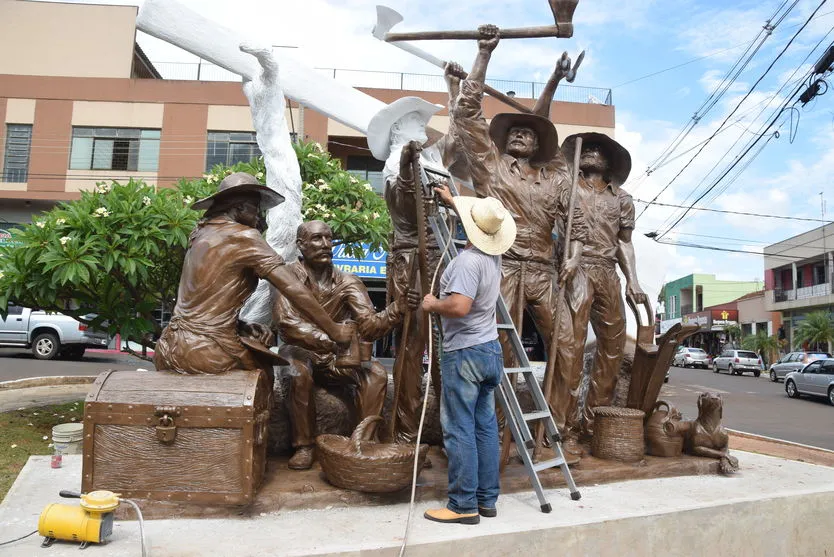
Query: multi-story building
x,y
87,106
799,278
693,293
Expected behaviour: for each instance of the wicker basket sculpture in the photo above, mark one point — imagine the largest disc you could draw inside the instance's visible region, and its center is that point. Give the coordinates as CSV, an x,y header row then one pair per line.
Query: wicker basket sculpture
x,y
618,433
360,464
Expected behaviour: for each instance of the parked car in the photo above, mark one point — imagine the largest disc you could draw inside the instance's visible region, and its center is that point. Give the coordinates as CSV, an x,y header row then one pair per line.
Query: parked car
x,y
691,357
49,335
816,379
737,362
794,361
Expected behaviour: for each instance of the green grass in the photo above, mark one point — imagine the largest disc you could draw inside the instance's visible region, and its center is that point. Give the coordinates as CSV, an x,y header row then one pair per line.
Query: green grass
x,y
28,432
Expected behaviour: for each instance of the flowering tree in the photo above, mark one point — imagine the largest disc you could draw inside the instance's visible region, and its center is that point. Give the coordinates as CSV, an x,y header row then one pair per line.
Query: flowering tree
x,y
117,252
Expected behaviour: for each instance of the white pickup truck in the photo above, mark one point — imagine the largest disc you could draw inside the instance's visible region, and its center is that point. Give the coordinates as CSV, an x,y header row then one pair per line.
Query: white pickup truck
x,y
49,335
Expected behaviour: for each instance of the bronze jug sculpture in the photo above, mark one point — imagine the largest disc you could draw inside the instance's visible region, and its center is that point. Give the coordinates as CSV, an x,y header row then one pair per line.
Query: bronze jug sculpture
x,y
664,434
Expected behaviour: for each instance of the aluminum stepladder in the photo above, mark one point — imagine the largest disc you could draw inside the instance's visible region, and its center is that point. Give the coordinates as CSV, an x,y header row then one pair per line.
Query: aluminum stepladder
x,y
517,420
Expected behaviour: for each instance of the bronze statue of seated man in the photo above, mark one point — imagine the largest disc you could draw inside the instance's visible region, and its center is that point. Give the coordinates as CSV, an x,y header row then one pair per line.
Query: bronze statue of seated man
x,y
226,256
312,353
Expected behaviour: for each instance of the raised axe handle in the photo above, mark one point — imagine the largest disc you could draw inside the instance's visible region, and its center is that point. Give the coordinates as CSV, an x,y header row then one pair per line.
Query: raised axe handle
x,y
563,31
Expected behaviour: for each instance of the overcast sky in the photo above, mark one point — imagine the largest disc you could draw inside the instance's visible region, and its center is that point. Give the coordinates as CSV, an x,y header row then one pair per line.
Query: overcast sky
x,y
624,41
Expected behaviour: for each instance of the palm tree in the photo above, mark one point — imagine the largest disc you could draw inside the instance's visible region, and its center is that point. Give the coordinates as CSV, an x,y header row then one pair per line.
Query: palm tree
x,y
817,328
762,344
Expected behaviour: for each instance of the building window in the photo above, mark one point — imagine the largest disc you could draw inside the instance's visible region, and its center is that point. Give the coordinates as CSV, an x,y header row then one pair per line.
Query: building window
x,y
114,149
672,306
16,159
367,168
228,148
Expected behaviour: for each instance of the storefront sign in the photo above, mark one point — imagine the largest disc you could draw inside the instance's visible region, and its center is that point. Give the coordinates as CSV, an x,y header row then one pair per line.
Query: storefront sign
x,y
6,238
703,319
373,265
723,318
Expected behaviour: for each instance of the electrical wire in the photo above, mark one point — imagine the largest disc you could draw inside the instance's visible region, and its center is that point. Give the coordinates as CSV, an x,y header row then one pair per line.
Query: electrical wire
x,y
738,105
425,405
724,85
20,538
742,213
141,525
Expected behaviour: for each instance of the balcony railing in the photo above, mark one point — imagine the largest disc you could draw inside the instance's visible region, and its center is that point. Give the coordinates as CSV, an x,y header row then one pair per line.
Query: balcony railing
x,y
203,71
686,310
802,293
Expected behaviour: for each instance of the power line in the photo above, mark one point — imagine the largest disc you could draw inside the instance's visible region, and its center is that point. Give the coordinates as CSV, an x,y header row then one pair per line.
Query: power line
x,y
699,58
731,212
757,134
729,250
738,105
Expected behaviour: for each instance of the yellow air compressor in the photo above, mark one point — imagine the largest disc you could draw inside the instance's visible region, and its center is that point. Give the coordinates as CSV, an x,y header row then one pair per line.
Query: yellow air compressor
x,y
91,522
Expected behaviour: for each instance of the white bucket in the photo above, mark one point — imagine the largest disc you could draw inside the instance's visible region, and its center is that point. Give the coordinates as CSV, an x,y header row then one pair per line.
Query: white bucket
x,y
67,438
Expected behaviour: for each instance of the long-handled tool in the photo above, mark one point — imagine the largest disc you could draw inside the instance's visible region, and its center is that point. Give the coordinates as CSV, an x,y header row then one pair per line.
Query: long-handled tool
x,y
422,259
386,18
550,368
563,27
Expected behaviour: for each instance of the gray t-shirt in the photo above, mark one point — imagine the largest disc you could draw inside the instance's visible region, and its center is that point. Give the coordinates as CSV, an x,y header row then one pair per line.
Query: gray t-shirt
x,y
475,275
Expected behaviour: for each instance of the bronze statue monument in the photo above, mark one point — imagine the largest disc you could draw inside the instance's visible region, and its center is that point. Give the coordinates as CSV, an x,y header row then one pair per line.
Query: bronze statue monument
x,y
516,159
594,291
313,355
397,135
226,256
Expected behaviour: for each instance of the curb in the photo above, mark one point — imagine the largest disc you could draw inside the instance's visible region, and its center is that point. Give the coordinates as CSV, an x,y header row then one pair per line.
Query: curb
x,y
778,441
47,381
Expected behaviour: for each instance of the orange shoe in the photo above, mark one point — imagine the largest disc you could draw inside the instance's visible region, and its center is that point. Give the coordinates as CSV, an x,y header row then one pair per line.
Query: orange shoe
x,y
450,516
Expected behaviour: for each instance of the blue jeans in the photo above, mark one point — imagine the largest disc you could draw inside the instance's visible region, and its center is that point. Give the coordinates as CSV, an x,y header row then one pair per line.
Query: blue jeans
x,y
470,428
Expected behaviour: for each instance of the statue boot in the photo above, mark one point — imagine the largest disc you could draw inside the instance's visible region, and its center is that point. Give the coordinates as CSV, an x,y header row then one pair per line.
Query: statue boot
x,y
302,459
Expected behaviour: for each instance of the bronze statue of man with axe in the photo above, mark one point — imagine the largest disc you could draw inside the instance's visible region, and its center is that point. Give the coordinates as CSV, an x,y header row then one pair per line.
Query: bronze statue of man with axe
x,y
516,159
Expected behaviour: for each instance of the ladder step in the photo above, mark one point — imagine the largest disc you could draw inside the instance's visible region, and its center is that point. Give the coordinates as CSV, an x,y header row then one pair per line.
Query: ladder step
x,y
505,326
544,465
529,416
517,369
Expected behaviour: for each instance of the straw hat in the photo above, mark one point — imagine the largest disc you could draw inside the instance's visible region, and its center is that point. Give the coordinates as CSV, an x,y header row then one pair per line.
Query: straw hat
x,y
379,128
617,156
500,126
237,183
488,224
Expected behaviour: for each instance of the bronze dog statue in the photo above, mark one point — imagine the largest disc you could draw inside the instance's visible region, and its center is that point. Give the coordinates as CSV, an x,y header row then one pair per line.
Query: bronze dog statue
x,y
706,436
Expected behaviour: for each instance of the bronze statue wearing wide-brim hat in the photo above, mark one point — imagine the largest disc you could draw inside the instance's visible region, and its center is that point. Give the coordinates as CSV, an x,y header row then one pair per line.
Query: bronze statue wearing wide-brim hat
x,y
548,138
236,184
617,156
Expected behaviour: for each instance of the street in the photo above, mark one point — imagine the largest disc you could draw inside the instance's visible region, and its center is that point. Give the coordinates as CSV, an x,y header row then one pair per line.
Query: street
x,y
754,405
19,363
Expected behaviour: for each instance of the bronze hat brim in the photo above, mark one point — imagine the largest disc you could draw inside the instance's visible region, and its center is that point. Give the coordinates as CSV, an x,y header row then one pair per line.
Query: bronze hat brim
x,y
269,198
617,155
263,351
500,126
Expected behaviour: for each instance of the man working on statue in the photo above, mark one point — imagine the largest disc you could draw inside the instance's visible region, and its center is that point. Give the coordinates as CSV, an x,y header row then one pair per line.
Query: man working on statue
x,y
516,159
396,135
594,291
312,352
471,362
226,256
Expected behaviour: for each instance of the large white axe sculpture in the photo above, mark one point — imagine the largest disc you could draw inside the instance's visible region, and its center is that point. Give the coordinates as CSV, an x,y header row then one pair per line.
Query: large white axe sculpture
x,y
267,76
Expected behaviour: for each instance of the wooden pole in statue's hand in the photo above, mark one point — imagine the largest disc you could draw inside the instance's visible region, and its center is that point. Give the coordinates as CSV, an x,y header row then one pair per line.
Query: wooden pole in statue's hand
x,y
422,255
550,368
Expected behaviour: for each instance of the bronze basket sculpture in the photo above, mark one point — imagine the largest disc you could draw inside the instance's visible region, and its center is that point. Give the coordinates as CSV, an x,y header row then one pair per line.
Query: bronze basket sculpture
x,y
360,464
618,433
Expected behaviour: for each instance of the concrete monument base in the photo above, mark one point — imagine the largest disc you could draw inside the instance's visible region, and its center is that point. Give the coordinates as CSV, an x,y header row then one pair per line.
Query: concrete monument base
x,y
773,506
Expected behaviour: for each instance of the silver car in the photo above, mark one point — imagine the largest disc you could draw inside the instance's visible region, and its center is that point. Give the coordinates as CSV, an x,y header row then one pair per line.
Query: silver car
x,y
691,357
794,361
736,362
816,379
